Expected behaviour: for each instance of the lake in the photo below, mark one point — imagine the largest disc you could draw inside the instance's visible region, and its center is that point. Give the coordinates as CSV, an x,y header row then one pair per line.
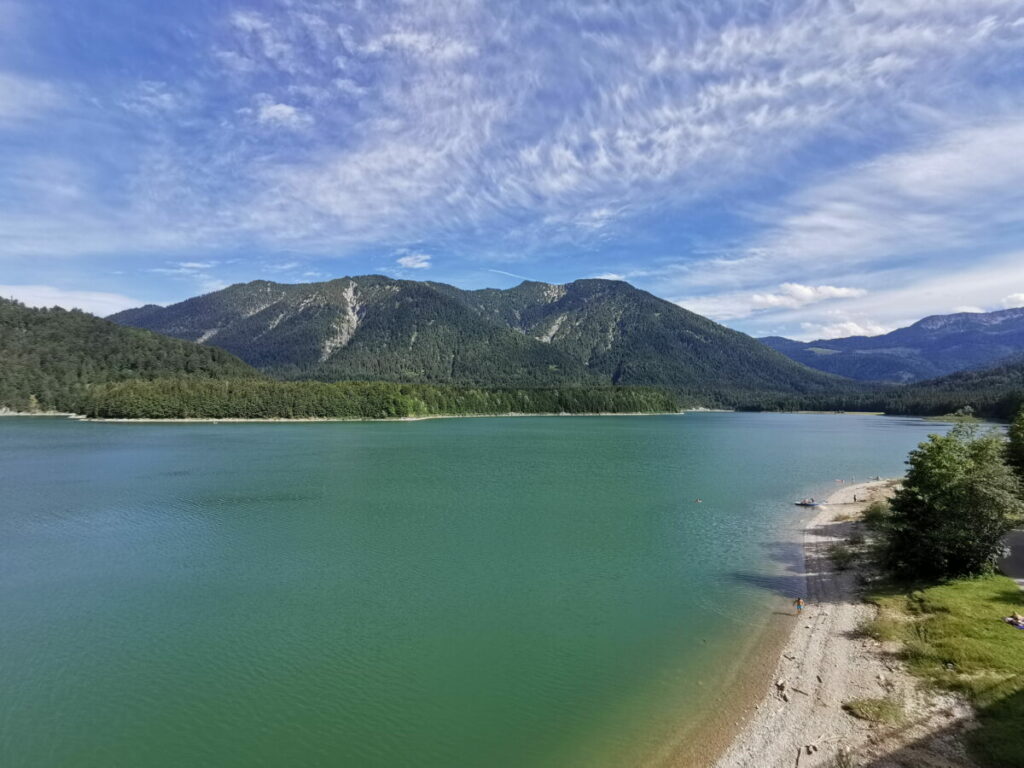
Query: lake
x,y
463,592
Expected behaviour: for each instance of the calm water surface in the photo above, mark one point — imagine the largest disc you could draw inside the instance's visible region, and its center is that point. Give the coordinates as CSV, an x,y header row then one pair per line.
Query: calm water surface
x,y
473,592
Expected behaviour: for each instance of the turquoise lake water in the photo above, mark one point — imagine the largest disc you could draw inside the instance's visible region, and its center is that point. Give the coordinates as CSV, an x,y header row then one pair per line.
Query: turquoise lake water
x,y
465,592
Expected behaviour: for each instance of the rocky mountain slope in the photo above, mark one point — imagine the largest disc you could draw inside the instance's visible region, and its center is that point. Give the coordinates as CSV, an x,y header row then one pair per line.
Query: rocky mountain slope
x,y
536,334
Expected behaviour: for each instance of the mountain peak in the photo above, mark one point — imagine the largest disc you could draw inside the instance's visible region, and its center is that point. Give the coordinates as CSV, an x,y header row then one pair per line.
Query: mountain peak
x,y
967,319
589,331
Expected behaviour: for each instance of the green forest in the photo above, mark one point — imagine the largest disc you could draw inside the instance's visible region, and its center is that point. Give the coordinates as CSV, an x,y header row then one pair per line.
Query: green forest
x,y
71,361
996,393
49,358
263,399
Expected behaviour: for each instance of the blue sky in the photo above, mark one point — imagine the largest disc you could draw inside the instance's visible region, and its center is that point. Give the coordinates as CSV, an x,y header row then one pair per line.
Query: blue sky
x,y
810,169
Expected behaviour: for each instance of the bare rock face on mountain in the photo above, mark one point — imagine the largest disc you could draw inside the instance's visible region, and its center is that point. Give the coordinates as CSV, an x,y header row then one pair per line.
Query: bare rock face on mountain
x,y
934,346
373,327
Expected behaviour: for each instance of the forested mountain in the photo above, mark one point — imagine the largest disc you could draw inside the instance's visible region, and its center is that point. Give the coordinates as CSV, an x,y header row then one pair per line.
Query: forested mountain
x,y
590,332
371,328
992,393
596,331
996,392
932,347
49,357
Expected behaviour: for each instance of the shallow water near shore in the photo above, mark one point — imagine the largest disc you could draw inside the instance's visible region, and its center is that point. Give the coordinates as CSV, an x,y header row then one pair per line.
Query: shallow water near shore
x,y
500,592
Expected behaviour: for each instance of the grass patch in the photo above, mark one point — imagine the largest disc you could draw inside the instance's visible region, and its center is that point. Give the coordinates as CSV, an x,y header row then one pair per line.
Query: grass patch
x,y
842,556
954,637
882,628
888,710
844,517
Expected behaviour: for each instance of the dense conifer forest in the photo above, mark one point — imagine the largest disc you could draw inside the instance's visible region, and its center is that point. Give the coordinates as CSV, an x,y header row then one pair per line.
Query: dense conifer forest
x,y
49,358
56,360
256,399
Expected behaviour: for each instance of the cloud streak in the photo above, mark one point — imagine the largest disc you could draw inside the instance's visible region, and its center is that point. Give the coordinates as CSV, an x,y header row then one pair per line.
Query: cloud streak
x,y
96,302
767,163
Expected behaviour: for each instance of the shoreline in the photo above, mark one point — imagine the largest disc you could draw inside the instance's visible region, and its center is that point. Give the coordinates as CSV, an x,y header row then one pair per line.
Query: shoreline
x,y
331,419
337,419
704,741
825,661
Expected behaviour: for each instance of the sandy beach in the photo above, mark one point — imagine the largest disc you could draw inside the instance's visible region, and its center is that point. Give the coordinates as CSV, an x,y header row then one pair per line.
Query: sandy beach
x,y
827,661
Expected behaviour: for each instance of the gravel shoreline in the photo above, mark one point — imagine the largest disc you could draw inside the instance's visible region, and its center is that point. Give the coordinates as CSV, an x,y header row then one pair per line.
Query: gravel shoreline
x,y
800,720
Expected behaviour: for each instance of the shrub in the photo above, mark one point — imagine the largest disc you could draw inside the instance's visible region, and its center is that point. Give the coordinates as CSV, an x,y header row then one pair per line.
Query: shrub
x,y
842,556
876,514
958,502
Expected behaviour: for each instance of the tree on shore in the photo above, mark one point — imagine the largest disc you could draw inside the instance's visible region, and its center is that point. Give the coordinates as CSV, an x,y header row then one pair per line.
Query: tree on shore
x,y
1015,447
957,503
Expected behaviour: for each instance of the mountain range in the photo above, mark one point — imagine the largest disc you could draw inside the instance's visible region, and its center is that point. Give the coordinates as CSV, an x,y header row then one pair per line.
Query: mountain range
x,y
535,348
587,332
932,347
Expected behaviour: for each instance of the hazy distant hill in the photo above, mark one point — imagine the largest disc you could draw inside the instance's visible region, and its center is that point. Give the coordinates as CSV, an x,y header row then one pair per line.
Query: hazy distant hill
x,y
53,355
929,348
536,334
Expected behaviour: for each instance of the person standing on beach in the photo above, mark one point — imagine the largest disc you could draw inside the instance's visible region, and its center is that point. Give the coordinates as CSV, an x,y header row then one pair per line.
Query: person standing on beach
x,y
799,603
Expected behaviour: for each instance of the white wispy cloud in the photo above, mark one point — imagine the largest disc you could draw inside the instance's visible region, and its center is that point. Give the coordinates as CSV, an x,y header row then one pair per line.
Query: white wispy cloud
x,y
1013,301
901,297
414,261
154,99
663,116
283,115
814,331
942,195
189,268
508,274
96,302
23,98
794,295
924,210
788,296
888,133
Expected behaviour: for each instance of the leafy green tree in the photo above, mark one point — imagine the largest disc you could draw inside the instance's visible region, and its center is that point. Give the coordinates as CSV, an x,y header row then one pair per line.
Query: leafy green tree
x,y
1015,448
957,503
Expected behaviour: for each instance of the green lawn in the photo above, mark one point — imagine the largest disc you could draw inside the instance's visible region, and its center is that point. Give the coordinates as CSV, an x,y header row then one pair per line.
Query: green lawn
x,y
953,636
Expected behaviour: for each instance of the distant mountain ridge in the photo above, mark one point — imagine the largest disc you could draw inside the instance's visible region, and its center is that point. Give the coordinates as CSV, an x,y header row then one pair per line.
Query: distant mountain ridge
x,y
932,347
587,332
